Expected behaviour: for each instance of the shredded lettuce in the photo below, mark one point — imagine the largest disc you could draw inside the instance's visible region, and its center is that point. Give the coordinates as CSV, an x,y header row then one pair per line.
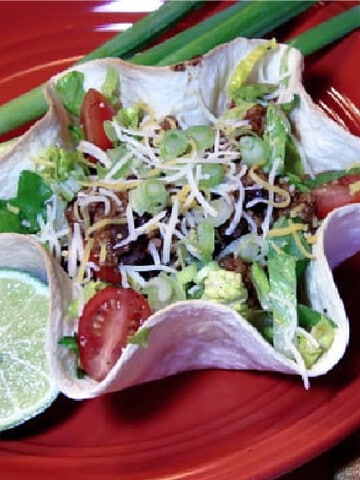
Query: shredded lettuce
x,y
70,88
262,287
150,196
203,136
293,162
62,171
306,184
253,150
129,117
141,337
277,129
250,92
29,203
110,87
282,297
9,220
246,66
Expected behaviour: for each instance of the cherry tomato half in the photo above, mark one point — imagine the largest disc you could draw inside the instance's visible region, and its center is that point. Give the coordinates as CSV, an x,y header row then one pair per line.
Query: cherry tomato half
x,y
95,109
109,318
335,194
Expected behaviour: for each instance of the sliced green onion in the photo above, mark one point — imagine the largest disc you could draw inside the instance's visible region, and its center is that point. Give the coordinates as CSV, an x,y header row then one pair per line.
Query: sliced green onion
x,y
187,274
203,136
110,131
214,173
150,196
252,248
253,150
163,290
223,212
206,240
174,143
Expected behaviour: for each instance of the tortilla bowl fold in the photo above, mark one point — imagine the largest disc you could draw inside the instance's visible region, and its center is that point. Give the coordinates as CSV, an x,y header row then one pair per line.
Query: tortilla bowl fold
x,y
198,334
338,240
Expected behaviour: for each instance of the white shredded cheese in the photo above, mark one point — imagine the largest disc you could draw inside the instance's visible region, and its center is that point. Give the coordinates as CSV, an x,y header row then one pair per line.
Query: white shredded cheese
x,y
96,152
135,232
238,207
75,250
170,228
269,211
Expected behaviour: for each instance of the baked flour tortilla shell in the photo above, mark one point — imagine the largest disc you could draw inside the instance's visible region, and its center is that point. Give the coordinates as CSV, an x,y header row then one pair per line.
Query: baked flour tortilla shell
x,y
198,334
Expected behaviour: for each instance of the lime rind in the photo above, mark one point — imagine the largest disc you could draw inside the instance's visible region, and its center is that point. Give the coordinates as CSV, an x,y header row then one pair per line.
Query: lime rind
x,y
26,387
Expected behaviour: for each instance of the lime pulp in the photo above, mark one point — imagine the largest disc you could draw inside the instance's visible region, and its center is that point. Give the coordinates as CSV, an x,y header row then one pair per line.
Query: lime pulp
x,y
26,387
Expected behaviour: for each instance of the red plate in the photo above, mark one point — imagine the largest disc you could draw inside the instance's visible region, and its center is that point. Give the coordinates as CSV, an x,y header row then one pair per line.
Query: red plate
x,y
219,425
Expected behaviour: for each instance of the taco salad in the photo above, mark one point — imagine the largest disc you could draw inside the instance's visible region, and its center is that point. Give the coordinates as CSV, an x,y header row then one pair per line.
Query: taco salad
x,y
192,209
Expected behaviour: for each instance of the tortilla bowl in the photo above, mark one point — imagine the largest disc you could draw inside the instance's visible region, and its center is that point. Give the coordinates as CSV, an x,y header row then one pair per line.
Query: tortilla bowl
x,y
201,334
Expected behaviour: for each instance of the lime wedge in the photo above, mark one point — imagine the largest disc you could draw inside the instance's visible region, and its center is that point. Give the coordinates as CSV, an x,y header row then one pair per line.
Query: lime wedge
x,y
26,387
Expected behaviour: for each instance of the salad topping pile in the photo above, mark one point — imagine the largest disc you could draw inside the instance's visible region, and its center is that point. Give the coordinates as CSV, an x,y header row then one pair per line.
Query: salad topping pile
x,y
143,213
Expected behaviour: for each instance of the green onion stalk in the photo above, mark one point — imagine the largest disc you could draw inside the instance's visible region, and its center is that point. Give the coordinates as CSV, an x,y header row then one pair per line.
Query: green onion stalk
x,y
248,18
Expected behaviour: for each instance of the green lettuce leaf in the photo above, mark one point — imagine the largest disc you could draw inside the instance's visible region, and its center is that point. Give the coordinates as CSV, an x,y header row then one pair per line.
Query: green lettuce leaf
x,y
32,194
70,88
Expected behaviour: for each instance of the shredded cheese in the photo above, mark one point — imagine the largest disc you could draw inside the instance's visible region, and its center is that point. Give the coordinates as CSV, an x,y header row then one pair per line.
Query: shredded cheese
x,y
104,222
134,233
296,210
75,250
96,152
170,228
84,261
121,186
239,203
271,188
289,230
103,253
301,246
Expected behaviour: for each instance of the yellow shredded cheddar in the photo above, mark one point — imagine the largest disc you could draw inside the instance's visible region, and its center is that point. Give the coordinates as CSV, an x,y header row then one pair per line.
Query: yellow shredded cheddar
x,y
272,188
104,222
118,186
289,230
311,239
103,253
84,260
301,247
296,210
